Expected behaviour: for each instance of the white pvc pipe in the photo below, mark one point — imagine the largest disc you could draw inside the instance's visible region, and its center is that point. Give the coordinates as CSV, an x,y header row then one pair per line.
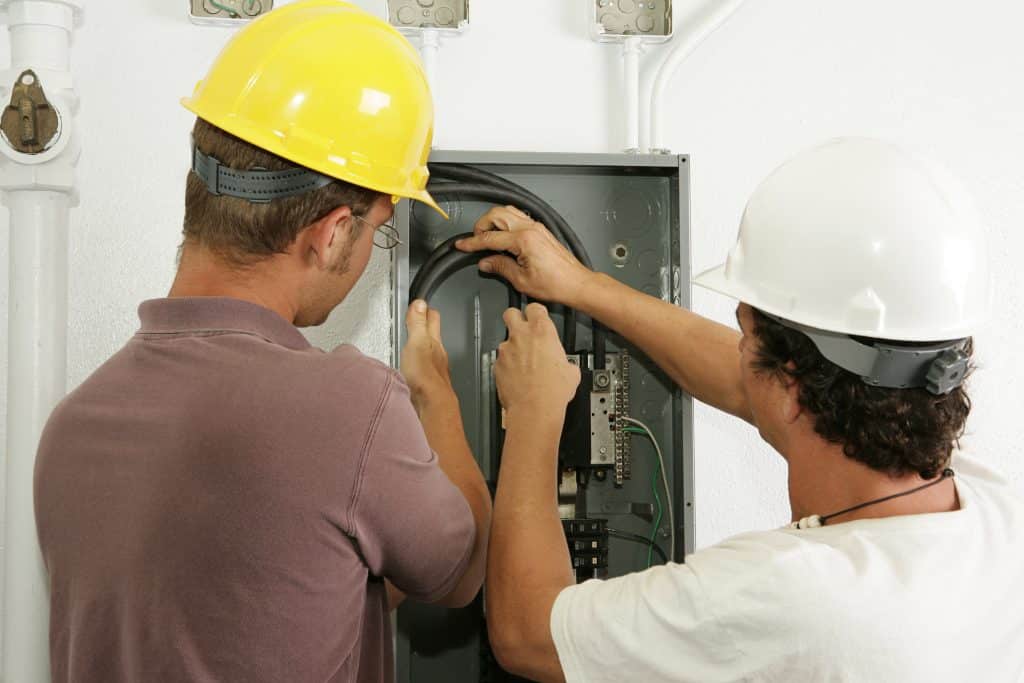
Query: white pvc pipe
x,y
38,192
430,46
36,363
41,34
722,10
631,49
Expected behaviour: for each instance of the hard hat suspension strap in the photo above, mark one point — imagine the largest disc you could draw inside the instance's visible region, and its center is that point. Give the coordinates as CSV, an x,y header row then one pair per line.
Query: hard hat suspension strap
x,y
940,367
256,186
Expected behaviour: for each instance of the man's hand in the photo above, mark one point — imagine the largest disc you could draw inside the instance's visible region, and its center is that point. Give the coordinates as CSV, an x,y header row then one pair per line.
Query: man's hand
x,y
542,268
424,360
532,372
425,367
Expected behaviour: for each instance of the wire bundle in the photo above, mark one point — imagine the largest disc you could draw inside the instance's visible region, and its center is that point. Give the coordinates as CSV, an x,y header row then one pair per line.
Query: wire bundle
x,y
475,183
638,427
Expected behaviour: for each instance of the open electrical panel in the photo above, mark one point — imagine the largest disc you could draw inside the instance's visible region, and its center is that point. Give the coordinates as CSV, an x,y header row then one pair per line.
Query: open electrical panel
x,y
629,214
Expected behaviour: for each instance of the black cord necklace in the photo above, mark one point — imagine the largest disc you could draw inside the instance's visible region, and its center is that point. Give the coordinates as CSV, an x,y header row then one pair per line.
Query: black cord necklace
x,y
821,520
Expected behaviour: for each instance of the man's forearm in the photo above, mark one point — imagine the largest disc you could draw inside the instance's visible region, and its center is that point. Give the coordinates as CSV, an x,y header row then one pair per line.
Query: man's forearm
x,y
700,355
528,562
442,422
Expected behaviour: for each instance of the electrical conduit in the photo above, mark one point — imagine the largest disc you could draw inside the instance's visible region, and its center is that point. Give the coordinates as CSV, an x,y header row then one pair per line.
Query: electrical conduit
x,y
722,10
632,47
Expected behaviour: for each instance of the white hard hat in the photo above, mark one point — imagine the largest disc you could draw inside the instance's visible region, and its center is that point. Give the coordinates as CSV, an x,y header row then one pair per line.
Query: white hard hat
x,y
859,237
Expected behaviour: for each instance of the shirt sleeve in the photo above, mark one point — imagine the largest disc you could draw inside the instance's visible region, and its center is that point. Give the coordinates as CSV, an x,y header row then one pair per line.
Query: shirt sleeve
x,y
653,626
412,525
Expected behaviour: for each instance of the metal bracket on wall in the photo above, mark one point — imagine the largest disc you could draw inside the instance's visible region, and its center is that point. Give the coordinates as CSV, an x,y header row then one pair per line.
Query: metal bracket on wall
x,y
227,12
30,124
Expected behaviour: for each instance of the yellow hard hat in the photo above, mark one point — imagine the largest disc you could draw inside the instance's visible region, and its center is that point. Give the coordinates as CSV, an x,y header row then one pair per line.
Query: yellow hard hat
x,y
329,87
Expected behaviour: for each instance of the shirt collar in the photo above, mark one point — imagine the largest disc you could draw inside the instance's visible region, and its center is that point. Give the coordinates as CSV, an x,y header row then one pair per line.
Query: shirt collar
x,y
190,315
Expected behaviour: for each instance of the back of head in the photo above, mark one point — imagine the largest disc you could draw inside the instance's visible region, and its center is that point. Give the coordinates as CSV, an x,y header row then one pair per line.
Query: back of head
x,y
867,270
892,430
241,232
320,91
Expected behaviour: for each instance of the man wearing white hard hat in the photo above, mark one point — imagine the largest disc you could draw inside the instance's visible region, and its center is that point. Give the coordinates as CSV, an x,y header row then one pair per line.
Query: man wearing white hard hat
x,y
862,275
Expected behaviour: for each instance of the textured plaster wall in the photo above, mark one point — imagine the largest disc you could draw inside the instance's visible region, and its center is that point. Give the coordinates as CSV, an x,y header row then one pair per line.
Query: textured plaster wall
x,y
942,75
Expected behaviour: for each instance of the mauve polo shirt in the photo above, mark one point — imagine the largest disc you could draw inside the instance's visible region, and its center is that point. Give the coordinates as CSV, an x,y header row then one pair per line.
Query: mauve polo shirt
x,y
220,501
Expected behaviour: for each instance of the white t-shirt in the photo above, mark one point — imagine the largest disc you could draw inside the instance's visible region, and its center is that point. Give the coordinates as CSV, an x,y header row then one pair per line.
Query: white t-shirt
x,y
932,597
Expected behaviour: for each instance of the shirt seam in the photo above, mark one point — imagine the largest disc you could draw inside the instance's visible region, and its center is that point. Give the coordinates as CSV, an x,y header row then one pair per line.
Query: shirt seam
x,y
371,433
179,334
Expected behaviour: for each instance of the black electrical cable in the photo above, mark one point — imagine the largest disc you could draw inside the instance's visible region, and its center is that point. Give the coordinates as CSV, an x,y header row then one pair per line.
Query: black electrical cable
x,y
499,196
443,249
444,267
515,298
637,538
502,191
547,215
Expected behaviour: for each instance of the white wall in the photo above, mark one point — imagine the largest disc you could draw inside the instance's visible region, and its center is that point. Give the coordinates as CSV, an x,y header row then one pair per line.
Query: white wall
x,y
783,74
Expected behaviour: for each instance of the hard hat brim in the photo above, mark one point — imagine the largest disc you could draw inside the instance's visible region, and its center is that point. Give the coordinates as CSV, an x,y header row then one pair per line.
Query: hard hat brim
x,y
715,280
425,198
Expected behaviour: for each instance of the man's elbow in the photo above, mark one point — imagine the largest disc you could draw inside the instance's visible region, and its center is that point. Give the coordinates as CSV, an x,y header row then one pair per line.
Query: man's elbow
x,y
509,646
472,579
528,653
464,593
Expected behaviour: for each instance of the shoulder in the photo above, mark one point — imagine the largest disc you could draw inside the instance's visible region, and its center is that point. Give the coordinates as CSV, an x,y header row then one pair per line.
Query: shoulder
x,y
686,616
990,496
973,470
349,373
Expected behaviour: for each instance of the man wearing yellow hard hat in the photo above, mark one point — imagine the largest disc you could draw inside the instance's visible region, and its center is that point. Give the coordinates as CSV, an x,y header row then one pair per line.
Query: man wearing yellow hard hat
x,y
221,501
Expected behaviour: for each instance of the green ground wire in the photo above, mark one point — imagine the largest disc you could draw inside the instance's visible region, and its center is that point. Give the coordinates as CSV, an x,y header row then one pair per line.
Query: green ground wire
x,y
657,498
229,10
222,8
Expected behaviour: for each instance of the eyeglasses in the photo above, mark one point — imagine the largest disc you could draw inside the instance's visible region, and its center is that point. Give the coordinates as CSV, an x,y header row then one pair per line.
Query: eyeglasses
x,y
385,235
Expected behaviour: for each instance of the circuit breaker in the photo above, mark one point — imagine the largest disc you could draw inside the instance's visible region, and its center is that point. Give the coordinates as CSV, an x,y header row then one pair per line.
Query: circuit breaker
x,y
629,216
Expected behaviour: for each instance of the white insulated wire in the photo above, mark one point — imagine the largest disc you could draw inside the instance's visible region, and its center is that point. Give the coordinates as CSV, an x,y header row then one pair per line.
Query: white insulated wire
x,y
430,45
685,45
664,480
632,47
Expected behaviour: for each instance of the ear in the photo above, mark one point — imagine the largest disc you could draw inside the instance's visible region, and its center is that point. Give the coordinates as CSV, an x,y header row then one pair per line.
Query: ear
x,y
324,237
789,404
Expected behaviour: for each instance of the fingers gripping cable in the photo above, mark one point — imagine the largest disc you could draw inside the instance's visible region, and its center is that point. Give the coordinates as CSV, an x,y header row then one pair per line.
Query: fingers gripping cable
x,y
479,184
446,260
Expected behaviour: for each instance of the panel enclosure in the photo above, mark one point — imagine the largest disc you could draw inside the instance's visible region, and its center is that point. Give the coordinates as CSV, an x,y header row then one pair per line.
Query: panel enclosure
x,y
632,213
408,16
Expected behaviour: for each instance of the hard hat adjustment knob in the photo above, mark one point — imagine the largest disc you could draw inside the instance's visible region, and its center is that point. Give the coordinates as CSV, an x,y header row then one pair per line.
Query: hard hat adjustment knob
x,y
947,372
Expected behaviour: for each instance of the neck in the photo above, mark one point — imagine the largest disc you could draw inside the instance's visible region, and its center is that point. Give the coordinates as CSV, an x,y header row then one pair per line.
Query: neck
x,y
202,273
823,481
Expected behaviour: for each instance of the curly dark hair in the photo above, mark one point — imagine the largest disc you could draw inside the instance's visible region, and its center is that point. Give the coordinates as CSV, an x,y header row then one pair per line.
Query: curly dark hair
x,y
896,431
